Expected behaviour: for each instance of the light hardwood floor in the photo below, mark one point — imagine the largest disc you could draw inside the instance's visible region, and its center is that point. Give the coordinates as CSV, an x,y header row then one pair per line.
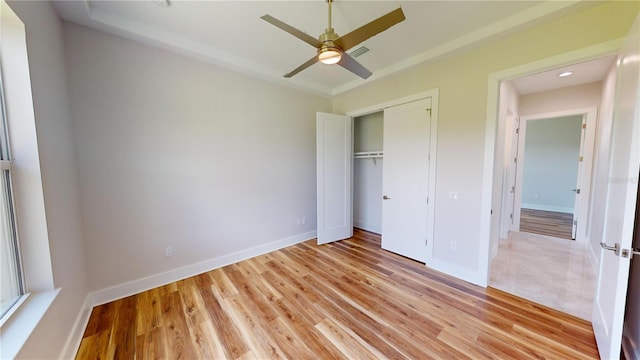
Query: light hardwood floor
x,y
547,270
345,300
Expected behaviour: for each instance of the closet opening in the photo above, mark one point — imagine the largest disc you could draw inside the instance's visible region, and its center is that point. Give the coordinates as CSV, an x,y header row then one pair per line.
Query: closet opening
x,y
367,171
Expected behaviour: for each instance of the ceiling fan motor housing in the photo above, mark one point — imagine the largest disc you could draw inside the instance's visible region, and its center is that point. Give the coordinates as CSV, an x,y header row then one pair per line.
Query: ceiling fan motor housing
x,y
328,40
329,52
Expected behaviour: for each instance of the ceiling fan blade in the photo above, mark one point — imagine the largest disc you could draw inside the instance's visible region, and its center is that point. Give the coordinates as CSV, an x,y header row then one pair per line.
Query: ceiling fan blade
x,y
352,65
309,62
375,27
293,31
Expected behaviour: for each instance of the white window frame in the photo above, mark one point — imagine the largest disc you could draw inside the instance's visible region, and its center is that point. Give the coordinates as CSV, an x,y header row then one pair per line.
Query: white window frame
x,y
27,188
6,165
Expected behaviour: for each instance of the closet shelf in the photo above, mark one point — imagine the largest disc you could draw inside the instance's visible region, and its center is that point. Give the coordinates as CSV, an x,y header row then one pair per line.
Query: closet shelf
x,y
367,154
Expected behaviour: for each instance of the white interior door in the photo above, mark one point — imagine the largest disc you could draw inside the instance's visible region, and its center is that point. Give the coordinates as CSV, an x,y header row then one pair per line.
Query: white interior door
x,y
511,224
577,190
405,179
334,170
611,289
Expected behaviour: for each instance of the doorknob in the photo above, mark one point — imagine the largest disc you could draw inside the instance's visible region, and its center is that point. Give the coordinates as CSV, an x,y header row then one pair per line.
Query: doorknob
x,y
385,197
577,191
615,248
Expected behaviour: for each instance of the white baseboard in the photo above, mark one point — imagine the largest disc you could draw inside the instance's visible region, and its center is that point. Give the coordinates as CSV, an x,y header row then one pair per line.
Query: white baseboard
x,y
629,346
136,286
455,270
366,226
72,345
567,210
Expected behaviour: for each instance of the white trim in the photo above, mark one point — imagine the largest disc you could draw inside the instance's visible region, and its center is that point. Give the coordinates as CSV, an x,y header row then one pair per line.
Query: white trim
x,y
507,202
116,292
5,165
455,270
561,209
583,210
14,308
493,89
433,93
433,147
463,42
167,40
16,330
72,344
368,227
118,25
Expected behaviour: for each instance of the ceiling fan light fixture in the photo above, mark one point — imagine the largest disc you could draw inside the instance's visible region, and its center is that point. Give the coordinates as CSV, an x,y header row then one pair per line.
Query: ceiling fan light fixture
x,y
329,56
332,48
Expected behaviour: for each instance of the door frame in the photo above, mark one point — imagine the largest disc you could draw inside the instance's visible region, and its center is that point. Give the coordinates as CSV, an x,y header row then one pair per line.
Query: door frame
x,y
512,139
584,180
495,141
433,94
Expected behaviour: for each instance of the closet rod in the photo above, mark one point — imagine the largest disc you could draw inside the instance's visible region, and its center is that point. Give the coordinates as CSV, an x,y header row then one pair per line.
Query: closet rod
x,y
368,154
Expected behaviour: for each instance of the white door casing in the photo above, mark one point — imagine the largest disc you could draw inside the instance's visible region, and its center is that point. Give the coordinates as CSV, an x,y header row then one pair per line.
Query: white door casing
x,y
508,212
334,137
577,203
613,274
586,146
405,210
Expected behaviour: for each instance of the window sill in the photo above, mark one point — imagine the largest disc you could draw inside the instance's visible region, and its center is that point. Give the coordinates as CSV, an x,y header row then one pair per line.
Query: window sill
x,y
16,330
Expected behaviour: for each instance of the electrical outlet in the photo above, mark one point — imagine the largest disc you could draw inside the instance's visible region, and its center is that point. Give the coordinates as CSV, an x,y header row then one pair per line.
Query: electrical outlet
x,y
453,195
453,245
168,251
304,220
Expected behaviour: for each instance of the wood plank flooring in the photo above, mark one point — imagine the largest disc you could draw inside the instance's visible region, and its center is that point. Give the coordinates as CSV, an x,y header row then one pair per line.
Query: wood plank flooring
x,y
345,300
548,223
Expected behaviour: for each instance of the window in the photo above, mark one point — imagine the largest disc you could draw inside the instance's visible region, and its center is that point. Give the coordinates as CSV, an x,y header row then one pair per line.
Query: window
x,y
11,283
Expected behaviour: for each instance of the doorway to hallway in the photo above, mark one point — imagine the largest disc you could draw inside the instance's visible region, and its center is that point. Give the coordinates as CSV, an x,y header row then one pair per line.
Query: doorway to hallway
x,y
550,271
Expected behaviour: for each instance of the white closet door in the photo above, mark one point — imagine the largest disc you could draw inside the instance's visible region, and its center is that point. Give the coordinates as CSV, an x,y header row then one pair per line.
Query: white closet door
x,y
406,179
334,171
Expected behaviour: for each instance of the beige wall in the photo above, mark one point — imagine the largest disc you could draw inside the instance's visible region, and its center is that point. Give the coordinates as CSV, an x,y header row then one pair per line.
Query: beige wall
x,y
176,152
462,80
573,97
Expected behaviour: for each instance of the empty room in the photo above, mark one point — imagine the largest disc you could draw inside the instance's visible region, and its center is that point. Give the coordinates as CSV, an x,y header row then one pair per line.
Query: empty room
x,y
304,179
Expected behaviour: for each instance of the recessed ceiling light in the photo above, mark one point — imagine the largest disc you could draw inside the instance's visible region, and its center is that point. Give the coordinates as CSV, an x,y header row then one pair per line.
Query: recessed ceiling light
x,y
565,73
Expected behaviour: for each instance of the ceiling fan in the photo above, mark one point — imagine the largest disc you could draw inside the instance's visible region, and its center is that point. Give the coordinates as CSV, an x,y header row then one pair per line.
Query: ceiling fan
x,y
332,48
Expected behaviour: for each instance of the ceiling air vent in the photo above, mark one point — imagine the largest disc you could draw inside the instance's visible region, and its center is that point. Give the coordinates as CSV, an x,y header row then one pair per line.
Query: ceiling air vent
x,y
359,51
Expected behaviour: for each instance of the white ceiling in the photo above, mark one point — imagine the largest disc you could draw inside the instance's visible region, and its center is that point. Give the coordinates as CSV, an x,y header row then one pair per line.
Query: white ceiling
x,y
582,73
231,33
